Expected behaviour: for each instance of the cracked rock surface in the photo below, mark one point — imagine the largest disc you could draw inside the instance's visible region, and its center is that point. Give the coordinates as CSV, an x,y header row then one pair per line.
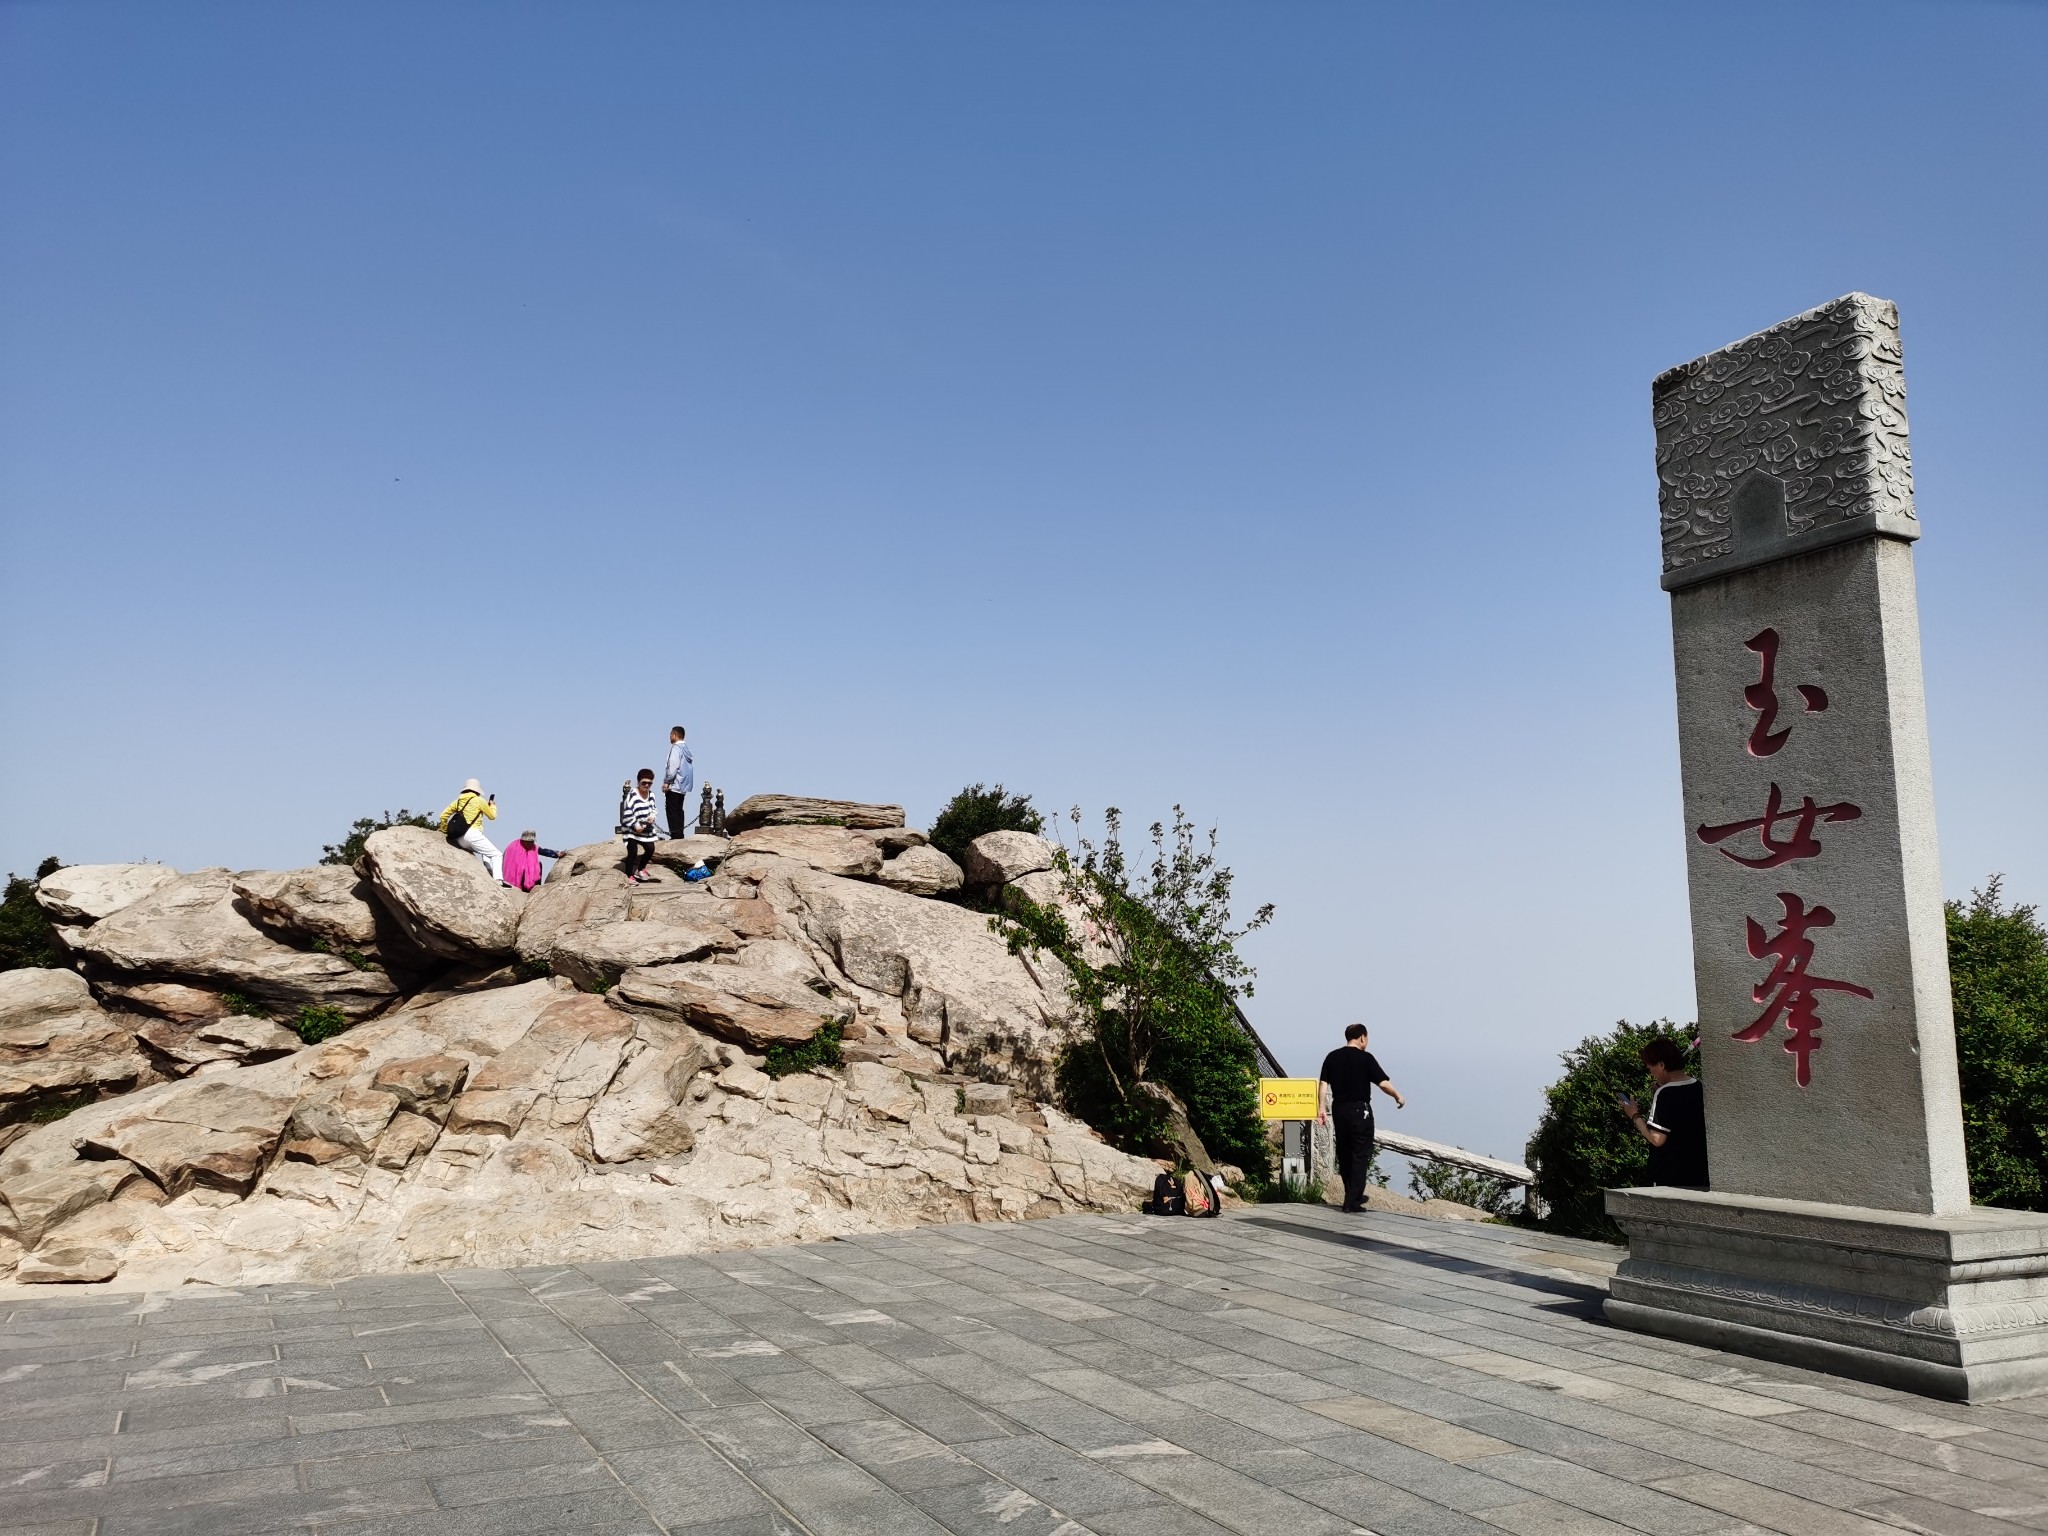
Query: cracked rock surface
x,y
580,1073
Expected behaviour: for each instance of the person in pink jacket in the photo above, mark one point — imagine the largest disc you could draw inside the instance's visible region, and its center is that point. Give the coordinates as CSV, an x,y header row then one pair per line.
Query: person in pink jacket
x,y
522,861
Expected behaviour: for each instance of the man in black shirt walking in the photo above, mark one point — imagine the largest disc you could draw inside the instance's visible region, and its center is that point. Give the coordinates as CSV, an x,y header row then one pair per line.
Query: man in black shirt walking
x,y
1676,1126
1350,1074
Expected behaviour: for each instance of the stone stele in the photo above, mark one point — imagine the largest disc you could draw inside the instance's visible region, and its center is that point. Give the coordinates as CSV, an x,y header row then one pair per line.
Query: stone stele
x,y
1839,1232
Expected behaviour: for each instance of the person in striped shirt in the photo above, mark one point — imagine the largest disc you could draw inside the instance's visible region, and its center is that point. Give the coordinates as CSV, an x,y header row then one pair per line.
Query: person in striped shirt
x,y
636,821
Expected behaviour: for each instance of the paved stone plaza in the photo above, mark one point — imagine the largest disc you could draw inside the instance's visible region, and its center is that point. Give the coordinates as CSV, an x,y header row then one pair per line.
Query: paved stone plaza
x,y
1287,1370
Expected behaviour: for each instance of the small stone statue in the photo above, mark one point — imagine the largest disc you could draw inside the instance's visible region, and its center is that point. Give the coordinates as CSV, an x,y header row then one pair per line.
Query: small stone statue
x,y
705,825
719,814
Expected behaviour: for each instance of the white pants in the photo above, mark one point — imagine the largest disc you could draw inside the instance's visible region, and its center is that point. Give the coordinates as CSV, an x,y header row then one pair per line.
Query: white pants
x,y
475,841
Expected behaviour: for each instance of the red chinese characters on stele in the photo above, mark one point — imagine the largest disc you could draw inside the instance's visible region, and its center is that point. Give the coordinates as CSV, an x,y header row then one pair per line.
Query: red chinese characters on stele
x,y
1791,991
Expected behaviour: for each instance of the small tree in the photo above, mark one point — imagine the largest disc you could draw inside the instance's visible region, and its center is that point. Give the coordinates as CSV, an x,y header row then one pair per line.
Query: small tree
x,y
1582,1147
1153,957
27,938
1998,976
350,848
978,809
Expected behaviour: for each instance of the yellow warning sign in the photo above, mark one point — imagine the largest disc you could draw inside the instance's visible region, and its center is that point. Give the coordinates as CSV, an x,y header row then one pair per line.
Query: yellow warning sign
x,y
1288,1098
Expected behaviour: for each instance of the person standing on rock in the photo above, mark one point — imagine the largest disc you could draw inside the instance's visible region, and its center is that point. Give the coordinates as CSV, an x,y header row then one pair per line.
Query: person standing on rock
x,y
636,823
678,778
462,824
1350,1073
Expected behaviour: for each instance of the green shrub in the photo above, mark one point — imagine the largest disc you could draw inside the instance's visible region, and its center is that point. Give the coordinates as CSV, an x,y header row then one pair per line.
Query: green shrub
x,y
27,937
1582,1146
1155,987
978,809
1998,975
350,848
243,1007
1482,1191
52,1110
533,970
1286,1190
317,1022
821,1050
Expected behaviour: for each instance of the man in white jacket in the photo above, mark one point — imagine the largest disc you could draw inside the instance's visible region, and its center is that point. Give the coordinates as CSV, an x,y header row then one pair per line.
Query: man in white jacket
x,y
677,779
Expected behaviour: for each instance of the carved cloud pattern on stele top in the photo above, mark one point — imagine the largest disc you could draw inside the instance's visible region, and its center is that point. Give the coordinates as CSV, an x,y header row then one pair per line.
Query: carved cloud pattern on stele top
x,y
1818,403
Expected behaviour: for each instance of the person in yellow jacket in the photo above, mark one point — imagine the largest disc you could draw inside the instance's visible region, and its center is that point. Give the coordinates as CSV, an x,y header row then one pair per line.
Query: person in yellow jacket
x,y
462,823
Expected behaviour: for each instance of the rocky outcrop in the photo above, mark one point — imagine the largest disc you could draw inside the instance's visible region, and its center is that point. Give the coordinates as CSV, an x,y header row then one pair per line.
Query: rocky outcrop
x,y
520,1123
172,1000
921,871
57,1044
211,1132
833,850
444,899
597,954
558,905
751,1006
946,979
328,902
583,1072
85,893
997,858
802,810
193,930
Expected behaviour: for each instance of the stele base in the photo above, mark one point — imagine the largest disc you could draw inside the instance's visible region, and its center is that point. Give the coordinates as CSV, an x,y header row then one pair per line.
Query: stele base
x,y
1946,1306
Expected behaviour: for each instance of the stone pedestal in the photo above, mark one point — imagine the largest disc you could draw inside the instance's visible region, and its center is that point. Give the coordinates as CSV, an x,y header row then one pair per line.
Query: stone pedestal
x,y
1951,1306
1839,1232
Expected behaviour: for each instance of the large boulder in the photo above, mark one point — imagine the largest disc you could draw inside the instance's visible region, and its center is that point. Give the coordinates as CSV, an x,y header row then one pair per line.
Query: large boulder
x,y
85,893
595,954
997,858
230,1037
556,906
211,1131
172,1000
747,916
921,871
33,996
585,857
443,898
330,902
803,810
552,1074
422,1084
834,850
992,1013
33,1202
756,1008
192,931
57,1043
641,1116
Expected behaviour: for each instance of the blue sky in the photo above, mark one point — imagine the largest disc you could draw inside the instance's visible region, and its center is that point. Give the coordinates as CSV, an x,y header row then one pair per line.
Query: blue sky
x,y
1244,407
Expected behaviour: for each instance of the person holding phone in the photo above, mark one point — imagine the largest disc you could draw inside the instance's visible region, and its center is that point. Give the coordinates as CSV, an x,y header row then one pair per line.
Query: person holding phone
x,y
1676,1124
462,824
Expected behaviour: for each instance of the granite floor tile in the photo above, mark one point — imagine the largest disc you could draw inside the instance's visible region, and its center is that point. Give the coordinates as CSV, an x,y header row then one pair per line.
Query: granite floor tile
x,y
1088,1374
1062,1478
686,1486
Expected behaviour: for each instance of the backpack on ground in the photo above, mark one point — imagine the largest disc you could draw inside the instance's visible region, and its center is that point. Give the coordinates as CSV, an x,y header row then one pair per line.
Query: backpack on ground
x,y
1167,1197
